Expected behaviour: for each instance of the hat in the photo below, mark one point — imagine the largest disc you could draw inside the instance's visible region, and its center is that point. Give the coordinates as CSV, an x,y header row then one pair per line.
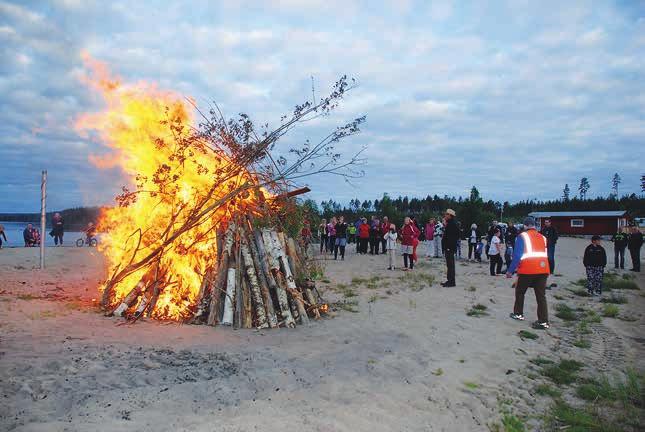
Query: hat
x,y
451,212
596,237
529,221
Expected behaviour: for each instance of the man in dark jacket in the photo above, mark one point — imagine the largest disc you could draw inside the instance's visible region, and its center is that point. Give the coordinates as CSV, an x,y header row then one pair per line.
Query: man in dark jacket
x,y
449,244
594,260
509,240
551,235
620,243
634,245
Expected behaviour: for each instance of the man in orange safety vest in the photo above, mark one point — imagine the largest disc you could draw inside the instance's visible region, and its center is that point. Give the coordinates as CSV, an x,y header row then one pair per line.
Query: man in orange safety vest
x,y
531,262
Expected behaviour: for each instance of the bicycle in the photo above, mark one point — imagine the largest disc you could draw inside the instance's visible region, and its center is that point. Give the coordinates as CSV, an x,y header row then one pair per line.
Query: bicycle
x,y
91,242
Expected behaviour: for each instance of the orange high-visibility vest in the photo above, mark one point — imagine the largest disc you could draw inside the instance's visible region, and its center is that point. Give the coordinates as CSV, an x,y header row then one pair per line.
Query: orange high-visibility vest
x,y
534,258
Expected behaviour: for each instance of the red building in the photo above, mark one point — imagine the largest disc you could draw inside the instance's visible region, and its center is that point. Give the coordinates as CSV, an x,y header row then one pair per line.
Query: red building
x,y
583,222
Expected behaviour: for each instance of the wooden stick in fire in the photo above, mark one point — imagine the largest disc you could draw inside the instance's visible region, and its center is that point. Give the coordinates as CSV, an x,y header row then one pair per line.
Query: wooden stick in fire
x,y
254,284
221,282
287,318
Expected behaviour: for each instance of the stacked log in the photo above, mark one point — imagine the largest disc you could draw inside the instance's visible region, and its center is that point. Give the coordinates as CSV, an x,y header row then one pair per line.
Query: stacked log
x,y
257,281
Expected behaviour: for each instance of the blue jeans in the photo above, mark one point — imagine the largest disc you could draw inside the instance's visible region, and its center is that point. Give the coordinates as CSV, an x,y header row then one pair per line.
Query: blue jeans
x,y
550,251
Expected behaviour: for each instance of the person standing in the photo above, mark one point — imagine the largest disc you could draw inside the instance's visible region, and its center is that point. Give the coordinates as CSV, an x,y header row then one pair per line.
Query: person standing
x,y
341,238
429,238
305,236
449,244
351,234
322,235
495,253
390,238
363,236
489,236
28,235
331,234
409,233
385,228
620,244
551,235
473,239
57,229
438,238
635,242
509,240
531,261
594,260
2,234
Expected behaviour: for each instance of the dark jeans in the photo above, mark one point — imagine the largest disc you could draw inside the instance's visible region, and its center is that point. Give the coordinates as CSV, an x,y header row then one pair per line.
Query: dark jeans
x,y
538,283
550,251
619,252
495,264
58,238
332,243
636,258
450,264
472,247
383,245
406,258
351,238
374,244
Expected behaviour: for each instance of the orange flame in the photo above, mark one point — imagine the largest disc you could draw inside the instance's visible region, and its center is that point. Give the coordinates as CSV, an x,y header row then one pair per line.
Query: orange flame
x,y
131,126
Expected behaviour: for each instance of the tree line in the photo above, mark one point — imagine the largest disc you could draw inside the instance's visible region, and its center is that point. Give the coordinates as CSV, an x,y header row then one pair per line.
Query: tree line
x,y
471,209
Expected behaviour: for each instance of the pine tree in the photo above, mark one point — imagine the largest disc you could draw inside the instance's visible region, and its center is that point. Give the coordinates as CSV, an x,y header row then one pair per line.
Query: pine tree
x,y
584,187
615,181
566,192
643,183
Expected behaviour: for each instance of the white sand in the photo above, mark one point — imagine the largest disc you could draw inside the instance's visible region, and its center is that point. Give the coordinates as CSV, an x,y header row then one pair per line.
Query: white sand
x,y
63,366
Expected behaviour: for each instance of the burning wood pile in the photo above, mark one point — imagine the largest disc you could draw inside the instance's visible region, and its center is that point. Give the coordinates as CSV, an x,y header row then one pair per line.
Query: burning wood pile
x,y
195,235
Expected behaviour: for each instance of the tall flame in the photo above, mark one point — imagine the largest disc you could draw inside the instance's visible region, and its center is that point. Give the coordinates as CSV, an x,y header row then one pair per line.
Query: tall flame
x,y
132,126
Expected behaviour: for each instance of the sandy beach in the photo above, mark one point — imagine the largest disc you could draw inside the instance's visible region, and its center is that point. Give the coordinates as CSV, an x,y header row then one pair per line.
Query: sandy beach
x,y
407,358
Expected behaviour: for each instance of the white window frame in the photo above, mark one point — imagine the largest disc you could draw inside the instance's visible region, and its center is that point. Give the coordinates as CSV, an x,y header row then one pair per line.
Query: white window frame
x,y
580,225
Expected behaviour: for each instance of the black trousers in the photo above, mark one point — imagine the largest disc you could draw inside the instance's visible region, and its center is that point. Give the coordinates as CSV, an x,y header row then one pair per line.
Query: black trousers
x,y
495,264
619,257
383,246
363,245
450,265
406,258
323,242
538,283
374,244
471,249
58,238
636,258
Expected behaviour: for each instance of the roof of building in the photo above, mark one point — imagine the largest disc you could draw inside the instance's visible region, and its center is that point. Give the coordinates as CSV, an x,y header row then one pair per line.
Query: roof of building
x,y
613,213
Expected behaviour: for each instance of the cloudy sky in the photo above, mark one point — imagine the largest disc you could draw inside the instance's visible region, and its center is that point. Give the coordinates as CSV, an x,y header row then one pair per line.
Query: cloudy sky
x,y
516,97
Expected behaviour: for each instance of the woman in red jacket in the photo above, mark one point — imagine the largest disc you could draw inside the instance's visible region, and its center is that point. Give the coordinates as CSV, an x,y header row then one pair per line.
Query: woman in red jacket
x,y
363,236
409,236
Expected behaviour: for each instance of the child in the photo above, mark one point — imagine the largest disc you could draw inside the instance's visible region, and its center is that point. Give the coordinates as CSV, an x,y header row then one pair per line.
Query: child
x,y
495,253
390,238
595,260
479,249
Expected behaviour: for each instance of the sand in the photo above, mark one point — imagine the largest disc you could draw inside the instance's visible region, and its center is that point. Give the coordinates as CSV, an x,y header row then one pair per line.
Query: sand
x,y
410,359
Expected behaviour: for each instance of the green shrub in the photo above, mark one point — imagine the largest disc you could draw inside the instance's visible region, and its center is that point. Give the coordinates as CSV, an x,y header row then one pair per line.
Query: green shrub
x,y
582,343
477,310
547,390
525,334
611,281
610,311
562,373
614,299
565,313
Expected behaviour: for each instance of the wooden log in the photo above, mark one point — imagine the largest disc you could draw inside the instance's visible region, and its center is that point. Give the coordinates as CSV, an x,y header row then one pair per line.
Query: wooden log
x,y
247,304
254,284
156,290
264,285
271,249
312,304
130,299
239,293
227,319
220,284
203,298
282,305
291,303
295,294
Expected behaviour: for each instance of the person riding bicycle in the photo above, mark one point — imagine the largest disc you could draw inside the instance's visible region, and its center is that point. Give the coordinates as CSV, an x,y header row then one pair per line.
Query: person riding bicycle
x,y
90,232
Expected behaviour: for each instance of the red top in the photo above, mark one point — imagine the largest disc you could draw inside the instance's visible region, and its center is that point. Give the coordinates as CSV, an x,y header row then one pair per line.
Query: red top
x,y
385,228
409,233
364,230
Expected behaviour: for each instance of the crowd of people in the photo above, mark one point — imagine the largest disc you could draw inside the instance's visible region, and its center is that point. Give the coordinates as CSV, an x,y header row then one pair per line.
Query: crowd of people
x,y
32,237
511,249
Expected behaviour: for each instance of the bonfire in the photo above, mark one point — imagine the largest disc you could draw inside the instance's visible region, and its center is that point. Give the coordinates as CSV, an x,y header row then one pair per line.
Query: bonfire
x,y
196,235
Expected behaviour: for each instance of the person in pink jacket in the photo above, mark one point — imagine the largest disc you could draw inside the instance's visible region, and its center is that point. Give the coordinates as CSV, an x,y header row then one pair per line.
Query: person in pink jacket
x,y
429,235
409,234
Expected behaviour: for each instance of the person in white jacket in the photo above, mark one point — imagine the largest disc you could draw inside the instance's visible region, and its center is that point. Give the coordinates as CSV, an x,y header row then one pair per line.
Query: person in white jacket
x,y
390,239
438,235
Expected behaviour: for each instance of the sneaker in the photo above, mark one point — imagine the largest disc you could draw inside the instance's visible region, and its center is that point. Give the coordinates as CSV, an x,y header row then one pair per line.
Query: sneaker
x,y
518,317
540,325
447,285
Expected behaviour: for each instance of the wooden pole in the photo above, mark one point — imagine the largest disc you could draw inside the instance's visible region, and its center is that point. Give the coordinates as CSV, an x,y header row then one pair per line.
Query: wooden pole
x,y
43,196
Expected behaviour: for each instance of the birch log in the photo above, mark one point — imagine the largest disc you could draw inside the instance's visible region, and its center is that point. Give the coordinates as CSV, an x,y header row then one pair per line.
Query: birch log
x,y
254,284
282,307
247,307
264,286
227,319
220,284
295,294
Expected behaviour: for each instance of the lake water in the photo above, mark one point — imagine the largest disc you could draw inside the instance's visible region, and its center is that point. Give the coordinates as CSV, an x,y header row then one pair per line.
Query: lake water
x,y
14,235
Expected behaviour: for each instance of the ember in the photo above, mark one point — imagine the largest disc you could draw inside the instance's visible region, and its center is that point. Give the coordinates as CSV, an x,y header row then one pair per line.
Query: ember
x,y
183,245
